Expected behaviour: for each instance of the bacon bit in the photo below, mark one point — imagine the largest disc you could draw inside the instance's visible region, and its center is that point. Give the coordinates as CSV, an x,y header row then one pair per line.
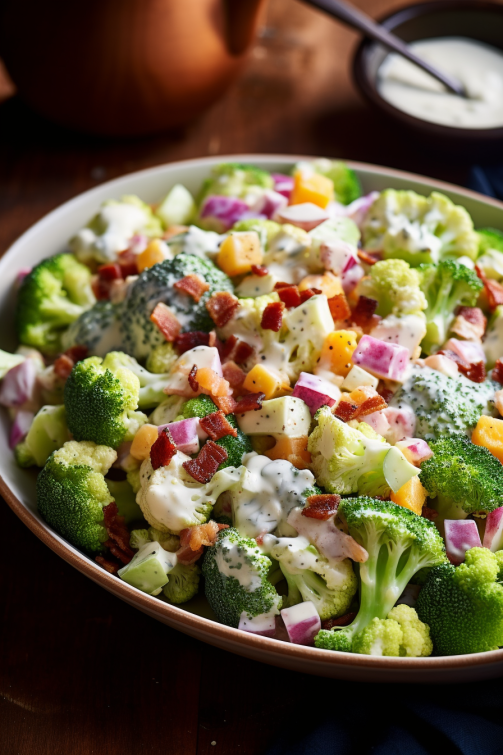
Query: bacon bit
x,y
63,366
174,230
339,307
242,352
233,374
118,533
272,316
346,411
110,566
290,296
191,377
384,391
162,450
109,272
226,403
342,621
321,506
201,535
228,346
166,321
187,556
259,270
77,353
217,426
249,403
475,371
100,288
260,539
221,307
497,373
371,405
364,310
212,339
494,290
281,284
428,513
474,315
307,293
186,341
204,466
128,263
369,258
117,552
470,323
194,285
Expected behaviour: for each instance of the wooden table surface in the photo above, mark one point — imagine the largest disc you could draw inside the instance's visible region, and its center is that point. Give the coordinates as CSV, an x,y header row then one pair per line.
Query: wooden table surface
x,y
80,671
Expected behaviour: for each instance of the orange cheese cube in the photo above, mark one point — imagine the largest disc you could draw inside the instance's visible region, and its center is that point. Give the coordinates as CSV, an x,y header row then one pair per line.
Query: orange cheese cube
x,y
238,252
265,380
293,450
151,255
489,433
143,441
337,351
329,284
211,382
316,189
411,496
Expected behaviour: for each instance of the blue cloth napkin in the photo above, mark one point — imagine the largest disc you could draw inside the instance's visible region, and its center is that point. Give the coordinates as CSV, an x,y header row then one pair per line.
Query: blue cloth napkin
x,y
341,718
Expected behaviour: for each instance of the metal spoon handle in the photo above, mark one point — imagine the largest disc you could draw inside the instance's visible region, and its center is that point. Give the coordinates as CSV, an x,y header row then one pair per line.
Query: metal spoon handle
x,y
358,20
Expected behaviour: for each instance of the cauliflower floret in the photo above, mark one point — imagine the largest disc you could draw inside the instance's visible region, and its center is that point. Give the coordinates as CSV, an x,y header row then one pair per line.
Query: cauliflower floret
x,y
395,286
402,633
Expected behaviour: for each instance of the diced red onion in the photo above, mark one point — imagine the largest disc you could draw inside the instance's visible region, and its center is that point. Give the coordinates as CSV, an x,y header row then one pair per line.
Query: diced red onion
x,y
306,216
184,434
302,623
20,427
471,351
386,360
417,450
269,203
138,243
356,211
351,277
263,625
283,184
378,422
19,384
460,536
315,391
337,256
225,210
402,423
493,535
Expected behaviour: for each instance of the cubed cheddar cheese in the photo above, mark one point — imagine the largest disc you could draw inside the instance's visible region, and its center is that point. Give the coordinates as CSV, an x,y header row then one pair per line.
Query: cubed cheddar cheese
x,y
337,351
150,256
265,380
411,496
143,441
314,188
238,252
489,434
329,284
293,450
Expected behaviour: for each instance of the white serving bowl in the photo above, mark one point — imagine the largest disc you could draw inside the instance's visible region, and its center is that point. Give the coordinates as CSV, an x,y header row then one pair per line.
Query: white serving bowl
x,y
48,237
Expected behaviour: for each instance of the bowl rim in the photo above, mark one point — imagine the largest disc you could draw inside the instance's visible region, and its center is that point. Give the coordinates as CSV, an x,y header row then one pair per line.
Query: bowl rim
x,y
368,87
268,648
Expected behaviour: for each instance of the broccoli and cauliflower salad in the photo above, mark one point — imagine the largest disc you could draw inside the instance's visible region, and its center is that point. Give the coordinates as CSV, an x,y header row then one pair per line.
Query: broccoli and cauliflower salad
x,y
282,395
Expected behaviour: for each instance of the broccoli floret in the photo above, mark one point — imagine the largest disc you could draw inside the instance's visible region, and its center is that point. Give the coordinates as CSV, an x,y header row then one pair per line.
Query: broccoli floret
x,y
51,297
169,542
198,407
395,286
400,634
346,460
101,399
399,543
162,358
463,605
236,579
234,180
154,285
419,229
97,328
266,493
329,585
462,477
124,496
442,404
8,361
138,538
171,500
72,492
151,384
183,583
347,186
446,286
493,340
47,433
112,228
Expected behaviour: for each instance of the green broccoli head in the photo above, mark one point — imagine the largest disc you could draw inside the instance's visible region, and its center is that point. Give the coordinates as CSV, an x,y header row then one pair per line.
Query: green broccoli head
x,y
139,334
419,229
348,460
462,477
54,294
236,579
183,583
72,492
197,407
330,585
463,605
48,432
401,634
101,398
446,286
399,543
395,286
347,187
96,328
152,384
234,180
442,404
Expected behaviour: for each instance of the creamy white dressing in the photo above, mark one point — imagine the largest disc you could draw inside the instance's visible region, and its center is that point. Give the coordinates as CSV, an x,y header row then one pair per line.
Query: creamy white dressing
x,y
120,222
479,67
297,554
231,560
197,242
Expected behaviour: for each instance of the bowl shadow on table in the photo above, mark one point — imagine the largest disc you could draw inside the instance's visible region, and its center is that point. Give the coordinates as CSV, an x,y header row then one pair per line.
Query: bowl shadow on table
x,y
362,133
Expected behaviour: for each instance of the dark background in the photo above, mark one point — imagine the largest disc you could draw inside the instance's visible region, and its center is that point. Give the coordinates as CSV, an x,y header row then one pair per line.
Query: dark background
x,y
80,671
